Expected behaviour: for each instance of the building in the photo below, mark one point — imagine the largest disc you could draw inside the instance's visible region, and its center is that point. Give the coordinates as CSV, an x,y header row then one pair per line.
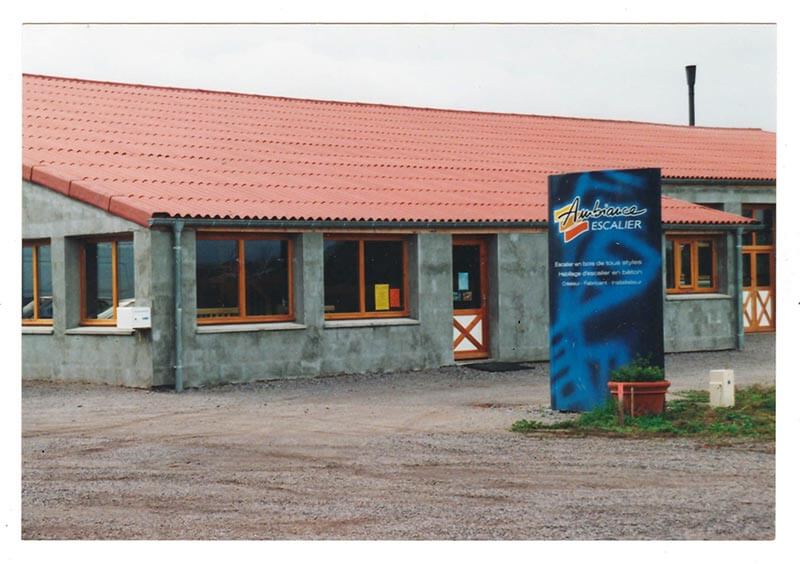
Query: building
x,y
274,237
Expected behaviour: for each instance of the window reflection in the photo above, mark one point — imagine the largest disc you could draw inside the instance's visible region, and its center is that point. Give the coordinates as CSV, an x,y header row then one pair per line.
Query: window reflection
x,y
341,277
217,278
239,279
267,277
99,283
27,283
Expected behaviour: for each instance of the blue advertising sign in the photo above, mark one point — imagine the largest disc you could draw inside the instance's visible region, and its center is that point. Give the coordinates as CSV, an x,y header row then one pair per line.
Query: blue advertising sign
x,y
606,296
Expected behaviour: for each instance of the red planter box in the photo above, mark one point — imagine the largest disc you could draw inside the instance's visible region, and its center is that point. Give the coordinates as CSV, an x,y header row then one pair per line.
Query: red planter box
x,y
648,398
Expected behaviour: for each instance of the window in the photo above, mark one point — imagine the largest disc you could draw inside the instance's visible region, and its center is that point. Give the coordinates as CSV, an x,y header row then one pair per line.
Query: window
x,y
243,278
37,284
366,277
691,264
107,280
764,214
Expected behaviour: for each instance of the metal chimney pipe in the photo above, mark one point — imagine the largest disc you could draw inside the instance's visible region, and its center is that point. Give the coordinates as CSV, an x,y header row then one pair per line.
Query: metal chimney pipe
x,y
691,70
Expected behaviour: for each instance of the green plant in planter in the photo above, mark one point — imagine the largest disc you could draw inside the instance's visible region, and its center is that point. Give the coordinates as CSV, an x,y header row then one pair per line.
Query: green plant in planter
x,y
639,370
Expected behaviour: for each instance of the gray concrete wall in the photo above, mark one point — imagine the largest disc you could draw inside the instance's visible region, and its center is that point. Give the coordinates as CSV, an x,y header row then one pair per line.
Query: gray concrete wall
x,y
162,307
101,357
731,197
312,346
520,319
518,311
697,322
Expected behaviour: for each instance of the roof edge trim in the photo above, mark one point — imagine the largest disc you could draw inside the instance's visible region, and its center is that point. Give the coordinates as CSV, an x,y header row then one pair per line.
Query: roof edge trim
x,y
688,181
89,195
388,225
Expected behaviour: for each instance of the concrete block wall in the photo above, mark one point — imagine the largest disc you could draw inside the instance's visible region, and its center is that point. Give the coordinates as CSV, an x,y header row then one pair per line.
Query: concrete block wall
x,y
104,356
704,322
518,312
730,196
699,324
311,346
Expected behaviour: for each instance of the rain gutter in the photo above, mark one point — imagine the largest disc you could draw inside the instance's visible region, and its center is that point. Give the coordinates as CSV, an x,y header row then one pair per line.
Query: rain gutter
x,y
336,224
331,224
707,226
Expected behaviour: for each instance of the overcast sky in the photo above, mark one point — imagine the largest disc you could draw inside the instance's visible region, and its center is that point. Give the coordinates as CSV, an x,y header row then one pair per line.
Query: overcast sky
x,y
628,72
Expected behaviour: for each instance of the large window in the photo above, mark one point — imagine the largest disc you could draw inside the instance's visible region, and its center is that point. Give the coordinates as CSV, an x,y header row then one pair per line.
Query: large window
x,y
107,280
691,264
366,277
37,284
243,278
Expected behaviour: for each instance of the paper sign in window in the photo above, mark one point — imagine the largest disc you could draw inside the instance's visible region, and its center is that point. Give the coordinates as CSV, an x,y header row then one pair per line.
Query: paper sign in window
x,y
381,297
463,280
394,297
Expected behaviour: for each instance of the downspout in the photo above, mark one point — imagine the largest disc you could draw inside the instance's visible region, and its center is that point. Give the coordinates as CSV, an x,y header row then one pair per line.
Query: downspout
x,y
739,289
177,230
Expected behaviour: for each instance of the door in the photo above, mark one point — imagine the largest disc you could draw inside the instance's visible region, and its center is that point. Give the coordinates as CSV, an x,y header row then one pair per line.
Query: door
x,y
758,270
470,298
758,301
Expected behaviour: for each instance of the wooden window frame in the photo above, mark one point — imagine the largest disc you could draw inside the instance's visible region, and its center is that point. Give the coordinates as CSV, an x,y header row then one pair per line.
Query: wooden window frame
x,y
240,239
749,237
362,288
692,241
114,239
35,244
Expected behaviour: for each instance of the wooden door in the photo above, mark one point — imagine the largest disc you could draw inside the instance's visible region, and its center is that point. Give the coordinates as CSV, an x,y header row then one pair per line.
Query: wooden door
x,y
470,299
758,287
758,270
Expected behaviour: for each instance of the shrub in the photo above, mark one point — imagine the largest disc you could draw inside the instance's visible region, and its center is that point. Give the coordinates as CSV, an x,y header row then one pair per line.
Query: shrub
x,y
639,370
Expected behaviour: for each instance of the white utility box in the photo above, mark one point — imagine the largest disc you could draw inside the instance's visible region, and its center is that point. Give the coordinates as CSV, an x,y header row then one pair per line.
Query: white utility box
x,y
133,317
721,388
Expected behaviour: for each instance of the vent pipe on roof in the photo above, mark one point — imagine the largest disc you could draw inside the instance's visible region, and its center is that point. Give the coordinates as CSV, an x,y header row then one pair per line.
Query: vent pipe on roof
x,y
691,70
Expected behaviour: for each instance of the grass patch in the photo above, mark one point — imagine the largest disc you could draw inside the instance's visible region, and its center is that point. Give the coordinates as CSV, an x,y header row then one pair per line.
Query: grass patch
x,y
753,417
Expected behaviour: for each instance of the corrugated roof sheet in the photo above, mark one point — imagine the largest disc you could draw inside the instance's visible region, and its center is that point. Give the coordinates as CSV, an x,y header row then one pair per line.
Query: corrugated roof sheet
x,y
139,151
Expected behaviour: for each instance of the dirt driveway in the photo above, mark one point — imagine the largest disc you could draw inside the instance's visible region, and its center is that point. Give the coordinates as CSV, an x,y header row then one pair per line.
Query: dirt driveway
x,y
423,455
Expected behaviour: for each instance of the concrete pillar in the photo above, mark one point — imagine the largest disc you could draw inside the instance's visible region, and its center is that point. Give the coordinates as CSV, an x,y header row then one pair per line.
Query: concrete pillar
x,y
159,288
69,281
142,267
434,273
60,297
309,288
520,318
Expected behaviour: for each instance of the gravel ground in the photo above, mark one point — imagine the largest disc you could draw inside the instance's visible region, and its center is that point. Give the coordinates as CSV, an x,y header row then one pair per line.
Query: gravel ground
x,y
419,455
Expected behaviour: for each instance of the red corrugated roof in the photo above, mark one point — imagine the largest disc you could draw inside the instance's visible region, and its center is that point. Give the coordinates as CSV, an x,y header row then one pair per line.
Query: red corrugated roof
x,y
137,151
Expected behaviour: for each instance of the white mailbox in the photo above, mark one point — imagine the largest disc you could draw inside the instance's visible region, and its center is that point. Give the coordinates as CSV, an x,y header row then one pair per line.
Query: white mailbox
x,y
133,317
721,388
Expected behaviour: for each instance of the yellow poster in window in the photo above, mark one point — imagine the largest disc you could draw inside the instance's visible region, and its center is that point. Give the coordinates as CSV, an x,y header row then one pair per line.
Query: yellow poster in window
x,y
381,297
